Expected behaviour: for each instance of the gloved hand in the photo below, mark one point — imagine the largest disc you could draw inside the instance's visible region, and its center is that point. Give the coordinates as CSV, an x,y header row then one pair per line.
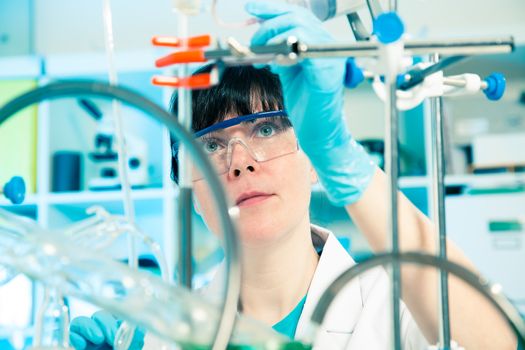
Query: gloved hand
x,y
313,96
98,332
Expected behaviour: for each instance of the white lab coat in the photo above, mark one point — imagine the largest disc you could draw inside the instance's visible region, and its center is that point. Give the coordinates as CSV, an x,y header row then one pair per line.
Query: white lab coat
x,y
358,318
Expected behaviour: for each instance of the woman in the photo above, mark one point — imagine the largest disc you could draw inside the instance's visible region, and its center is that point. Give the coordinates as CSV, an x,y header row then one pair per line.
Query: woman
x,y
267,168
286,262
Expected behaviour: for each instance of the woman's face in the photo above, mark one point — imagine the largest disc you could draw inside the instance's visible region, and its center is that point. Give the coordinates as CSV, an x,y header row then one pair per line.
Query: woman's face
x,y
273,196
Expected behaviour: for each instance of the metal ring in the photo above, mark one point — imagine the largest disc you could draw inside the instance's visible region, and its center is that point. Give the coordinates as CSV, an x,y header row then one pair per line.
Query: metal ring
x,y
477,282
104,90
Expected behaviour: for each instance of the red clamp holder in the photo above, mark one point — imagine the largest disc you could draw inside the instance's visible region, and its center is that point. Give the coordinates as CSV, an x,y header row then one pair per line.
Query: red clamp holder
x,y
189,56
192,52
199,81
170,41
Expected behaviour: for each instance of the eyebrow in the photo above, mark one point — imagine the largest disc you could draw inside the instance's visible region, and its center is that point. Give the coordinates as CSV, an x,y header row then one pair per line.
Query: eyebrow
x,y
239,120
221,131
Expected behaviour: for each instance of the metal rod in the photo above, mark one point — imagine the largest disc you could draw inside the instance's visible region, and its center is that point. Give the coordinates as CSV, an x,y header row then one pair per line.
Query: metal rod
x,y
375,8
454,82
438,208
416,76
359,30
442,64
185,268
392,6
392,155
412,48
293,49
461,82
184,222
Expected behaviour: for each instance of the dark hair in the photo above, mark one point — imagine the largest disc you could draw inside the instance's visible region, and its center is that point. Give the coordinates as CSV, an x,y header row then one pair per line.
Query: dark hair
x,y
242,90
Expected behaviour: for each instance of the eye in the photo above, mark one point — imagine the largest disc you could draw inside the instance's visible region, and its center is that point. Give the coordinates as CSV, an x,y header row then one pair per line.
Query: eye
x,y
211,146
266,130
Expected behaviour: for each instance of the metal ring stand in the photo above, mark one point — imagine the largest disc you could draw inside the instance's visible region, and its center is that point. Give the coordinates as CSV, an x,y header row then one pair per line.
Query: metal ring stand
x,y
477,282
104,90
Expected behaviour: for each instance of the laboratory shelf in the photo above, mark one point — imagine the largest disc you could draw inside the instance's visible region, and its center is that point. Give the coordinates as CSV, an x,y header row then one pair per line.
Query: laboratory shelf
x,y
104,196
414,181
404,182
31,199
79,64
487,180
470,180
20,67
64,126
29,210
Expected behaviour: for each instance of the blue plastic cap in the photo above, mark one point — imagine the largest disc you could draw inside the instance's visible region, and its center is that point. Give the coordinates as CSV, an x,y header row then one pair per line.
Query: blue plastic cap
x,y
15,190
388,27
400,80
353,75
496,85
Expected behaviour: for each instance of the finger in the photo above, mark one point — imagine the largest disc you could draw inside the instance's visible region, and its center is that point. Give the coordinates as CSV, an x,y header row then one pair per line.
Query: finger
x,y
282,68
108,324
86,328
281,37
268,9
138,340
270,29
309,29
312,67
77,341
275,27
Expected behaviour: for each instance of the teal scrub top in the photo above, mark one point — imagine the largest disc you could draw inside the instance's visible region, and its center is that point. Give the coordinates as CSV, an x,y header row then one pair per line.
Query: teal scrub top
x,y
288,325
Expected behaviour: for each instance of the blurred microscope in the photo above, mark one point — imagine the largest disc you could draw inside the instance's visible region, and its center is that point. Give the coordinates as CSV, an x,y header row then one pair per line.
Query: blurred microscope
x,y
105,154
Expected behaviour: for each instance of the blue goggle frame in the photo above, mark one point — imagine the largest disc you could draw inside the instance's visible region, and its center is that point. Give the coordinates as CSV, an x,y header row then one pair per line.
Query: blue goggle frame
x,y
231,122
237,120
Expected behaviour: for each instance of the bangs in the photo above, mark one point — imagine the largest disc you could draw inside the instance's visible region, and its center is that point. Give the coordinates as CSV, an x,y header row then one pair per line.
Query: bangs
x,y
242,90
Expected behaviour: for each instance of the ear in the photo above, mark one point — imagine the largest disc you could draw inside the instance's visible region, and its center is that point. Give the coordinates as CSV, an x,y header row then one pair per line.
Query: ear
x,y
196,205
313,175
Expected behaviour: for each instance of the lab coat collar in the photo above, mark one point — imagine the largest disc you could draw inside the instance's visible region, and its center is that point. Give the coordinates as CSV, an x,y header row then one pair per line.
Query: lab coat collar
x,y
340,321
333,261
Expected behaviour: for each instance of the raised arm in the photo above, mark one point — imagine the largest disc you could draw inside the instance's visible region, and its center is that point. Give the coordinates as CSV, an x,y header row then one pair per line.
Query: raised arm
x,y
313,91
475,324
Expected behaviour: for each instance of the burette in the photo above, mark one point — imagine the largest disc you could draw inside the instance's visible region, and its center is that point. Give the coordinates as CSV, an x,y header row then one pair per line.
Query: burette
x,y
184,9
126,331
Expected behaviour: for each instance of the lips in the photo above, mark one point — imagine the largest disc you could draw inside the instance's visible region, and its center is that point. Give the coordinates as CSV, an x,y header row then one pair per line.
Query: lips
x,y
252,197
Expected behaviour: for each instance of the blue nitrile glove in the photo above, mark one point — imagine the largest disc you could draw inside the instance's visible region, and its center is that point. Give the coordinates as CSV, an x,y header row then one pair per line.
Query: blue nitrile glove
x,y
313,96
98,332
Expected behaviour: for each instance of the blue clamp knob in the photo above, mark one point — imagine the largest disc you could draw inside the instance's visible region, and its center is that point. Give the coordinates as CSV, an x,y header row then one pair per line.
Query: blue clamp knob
x,y
496,85
15,190
353,75
388,27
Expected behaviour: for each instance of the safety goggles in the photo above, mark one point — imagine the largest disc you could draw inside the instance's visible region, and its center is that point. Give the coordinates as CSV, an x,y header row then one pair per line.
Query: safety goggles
x,y
264,136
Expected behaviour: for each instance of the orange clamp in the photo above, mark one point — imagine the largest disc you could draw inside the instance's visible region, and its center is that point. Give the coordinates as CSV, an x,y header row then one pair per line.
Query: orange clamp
x,y
170,41
181,57
199,81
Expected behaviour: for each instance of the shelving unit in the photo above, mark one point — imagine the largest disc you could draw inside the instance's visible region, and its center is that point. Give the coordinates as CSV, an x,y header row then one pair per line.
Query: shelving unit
x,y
62,127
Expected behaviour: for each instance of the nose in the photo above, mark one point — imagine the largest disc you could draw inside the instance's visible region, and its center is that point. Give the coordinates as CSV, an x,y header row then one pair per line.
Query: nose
x,y
241,160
